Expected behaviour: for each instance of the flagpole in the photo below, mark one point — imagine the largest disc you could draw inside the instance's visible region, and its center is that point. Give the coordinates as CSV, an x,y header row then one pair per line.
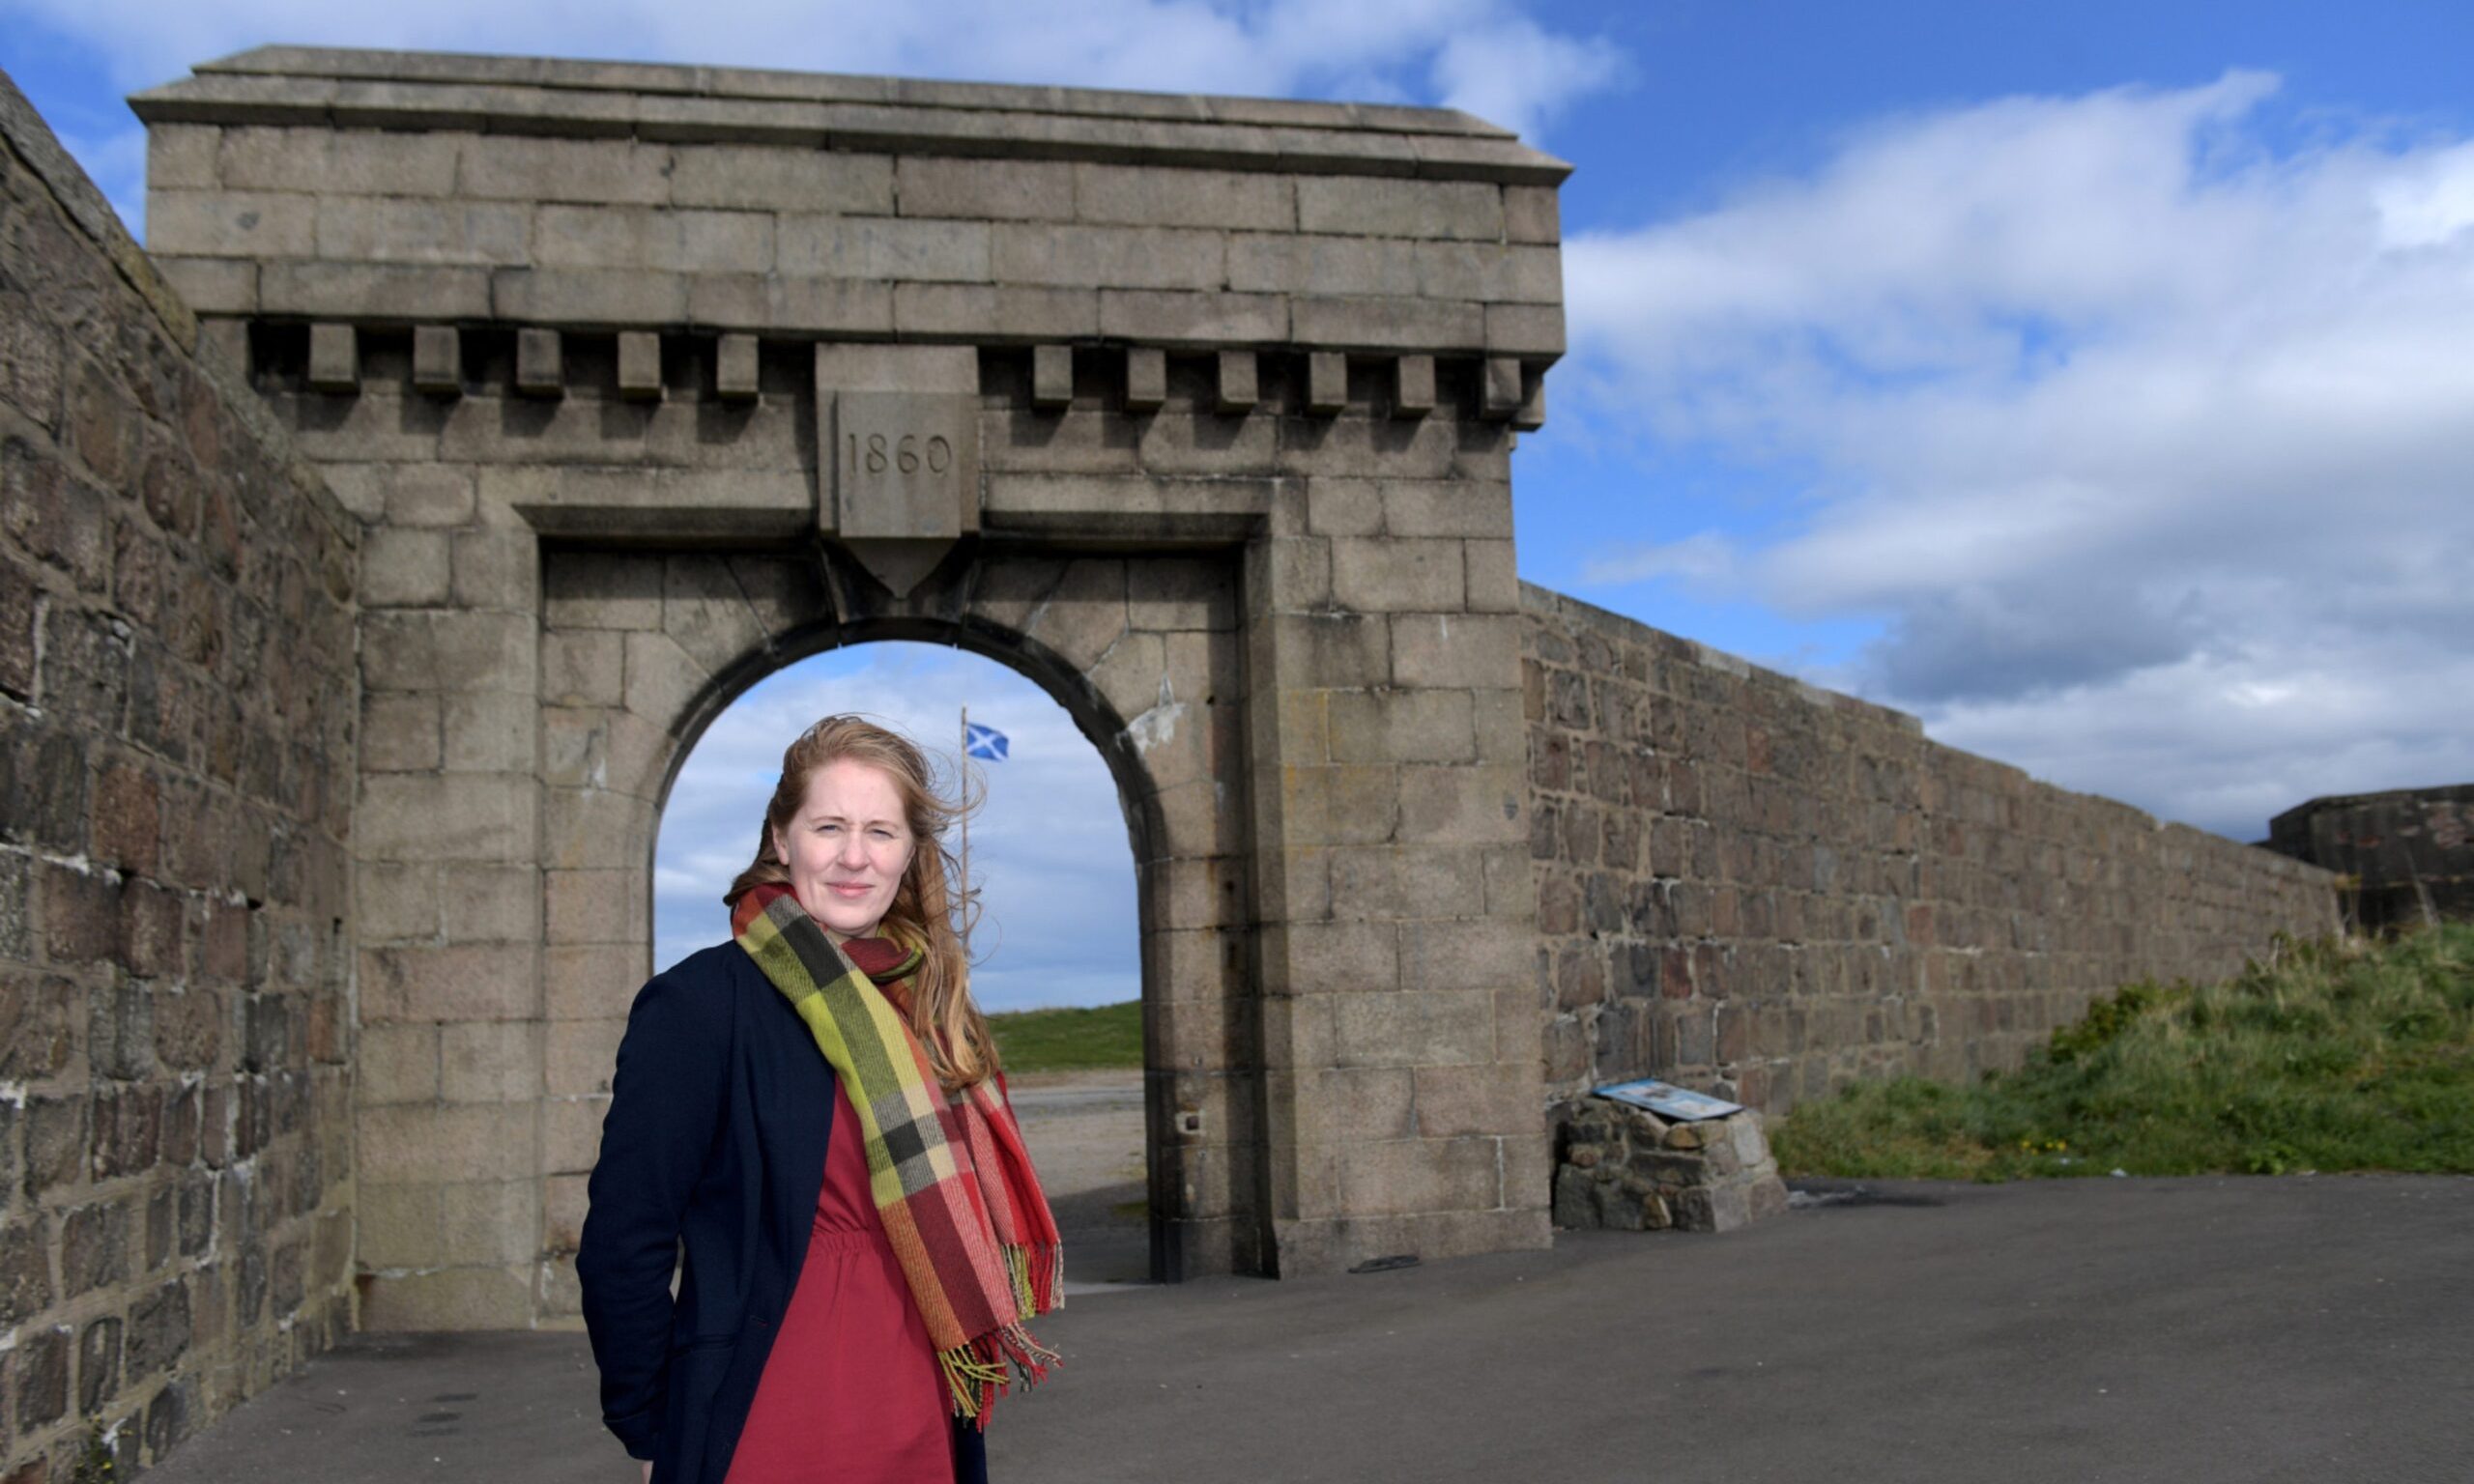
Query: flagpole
x,y
961,761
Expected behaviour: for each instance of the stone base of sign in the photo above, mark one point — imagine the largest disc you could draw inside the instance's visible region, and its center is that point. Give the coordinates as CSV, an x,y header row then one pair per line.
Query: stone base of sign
x,y
1627,1169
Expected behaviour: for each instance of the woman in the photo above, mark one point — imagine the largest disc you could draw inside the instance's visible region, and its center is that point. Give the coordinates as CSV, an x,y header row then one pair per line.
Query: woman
x,y
809,1107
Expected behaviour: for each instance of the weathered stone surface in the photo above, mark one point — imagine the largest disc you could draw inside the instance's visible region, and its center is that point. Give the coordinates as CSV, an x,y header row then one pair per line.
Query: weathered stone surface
x,y
1052,376
335,358
1146,380
437,360
639,365
1376,206
178,634
1238,384
540,367
1327,383
396,230
734,368
985,188
745,178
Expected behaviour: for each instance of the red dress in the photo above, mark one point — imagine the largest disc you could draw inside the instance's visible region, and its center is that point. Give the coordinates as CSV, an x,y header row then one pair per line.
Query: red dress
x,y
851,1392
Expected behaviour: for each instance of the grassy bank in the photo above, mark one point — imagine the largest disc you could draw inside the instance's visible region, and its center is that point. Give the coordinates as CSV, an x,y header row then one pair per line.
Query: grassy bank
x,y
1104,1037
2335,1055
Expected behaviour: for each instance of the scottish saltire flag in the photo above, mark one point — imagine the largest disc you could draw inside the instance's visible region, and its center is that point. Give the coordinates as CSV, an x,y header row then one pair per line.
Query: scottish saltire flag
x,y
984,742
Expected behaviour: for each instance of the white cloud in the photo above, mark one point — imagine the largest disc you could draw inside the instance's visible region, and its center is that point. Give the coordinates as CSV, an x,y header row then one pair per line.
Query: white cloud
x,y
1514,72
1484,51
1703,560
1048,847
2151,440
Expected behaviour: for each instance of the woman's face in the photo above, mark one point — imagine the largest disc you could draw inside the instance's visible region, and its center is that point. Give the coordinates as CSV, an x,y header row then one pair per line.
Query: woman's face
x,y
847,846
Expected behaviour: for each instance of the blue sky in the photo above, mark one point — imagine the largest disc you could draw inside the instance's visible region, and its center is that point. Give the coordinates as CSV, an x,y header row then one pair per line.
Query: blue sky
x,y
2089,380
1048,843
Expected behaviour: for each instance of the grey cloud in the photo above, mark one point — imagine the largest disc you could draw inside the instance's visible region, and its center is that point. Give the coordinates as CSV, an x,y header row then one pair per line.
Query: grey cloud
x,y
1977,642
2146,437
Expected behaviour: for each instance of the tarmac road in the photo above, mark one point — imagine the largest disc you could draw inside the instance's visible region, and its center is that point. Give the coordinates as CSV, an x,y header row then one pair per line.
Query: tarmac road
x,y
2248,1330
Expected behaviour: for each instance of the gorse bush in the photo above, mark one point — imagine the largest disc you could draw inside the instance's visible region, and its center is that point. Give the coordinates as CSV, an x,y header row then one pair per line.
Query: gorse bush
x,y
2332,1054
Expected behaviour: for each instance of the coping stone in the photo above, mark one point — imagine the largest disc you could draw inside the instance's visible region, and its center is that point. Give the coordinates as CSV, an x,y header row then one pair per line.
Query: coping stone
x,y
307,86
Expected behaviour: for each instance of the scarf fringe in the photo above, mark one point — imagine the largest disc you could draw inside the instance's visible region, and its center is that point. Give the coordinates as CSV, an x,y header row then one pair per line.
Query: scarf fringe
x,y
975,1374
1037,1273
975,1371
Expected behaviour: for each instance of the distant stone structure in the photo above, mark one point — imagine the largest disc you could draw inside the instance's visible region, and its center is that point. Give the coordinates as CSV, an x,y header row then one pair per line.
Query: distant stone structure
x,y
375,547
2405,857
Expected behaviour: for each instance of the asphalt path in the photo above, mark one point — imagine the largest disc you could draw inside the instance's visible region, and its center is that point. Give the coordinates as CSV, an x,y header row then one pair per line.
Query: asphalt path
x,y
2253,1329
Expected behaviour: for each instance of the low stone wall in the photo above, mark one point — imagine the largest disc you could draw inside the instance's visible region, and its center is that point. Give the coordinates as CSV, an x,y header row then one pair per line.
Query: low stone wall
x,y
1626,1168
1761,888
177,715
2406,855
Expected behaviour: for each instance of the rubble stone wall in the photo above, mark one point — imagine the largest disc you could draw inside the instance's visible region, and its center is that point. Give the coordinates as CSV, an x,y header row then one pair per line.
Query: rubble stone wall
x,y
177,714
1761,888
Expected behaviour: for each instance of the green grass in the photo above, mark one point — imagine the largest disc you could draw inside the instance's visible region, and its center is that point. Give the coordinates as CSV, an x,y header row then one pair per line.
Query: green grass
x,y
1107,1036
2338,1054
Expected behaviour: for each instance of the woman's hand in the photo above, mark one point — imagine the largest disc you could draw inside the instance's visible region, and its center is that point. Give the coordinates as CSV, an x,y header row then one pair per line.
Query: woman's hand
x,y
648,1472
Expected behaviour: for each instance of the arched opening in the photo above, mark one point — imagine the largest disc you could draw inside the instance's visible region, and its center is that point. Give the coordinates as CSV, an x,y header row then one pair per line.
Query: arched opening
x,y
642,651
1058,926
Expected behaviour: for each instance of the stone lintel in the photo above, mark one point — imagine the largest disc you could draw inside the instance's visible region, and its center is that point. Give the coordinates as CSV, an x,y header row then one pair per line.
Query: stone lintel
x,y
665,505
1214,512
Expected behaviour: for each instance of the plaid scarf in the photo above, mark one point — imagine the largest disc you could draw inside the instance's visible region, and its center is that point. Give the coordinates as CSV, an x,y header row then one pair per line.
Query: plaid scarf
x,y
950,1177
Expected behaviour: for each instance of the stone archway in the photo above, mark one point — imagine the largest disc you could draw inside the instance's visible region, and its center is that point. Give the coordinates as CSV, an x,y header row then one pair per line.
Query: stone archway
x,y
1226,392
698,629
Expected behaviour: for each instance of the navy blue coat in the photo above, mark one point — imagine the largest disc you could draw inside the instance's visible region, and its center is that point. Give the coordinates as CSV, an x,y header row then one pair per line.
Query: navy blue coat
x,y
719,1113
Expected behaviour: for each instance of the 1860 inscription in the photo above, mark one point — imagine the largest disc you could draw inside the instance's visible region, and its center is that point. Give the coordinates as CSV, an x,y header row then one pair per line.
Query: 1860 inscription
x,y
905,465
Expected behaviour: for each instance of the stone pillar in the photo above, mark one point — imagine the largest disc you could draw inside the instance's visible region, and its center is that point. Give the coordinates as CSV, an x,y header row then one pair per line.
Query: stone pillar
x,y
1400,1028
449,894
